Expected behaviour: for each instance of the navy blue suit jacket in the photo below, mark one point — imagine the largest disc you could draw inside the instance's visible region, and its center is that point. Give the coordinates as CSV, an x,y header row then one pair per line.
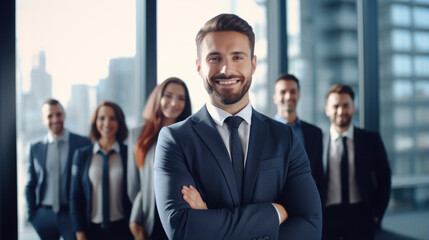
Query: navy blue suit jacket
x,y
81,190
372,171
36,170
277,171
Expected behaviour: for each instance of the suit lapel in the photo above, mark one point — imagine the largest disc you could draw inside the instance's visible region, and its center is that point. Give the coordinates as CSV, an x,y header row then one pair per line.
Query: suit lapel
x,y
326,142
307,135
205,128
358,153
258,131
44,155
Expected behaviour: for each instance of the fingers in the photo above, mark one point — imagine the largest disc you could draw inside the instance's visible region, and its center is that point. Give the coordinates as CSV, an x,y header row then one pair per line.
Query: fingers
x,y
193,198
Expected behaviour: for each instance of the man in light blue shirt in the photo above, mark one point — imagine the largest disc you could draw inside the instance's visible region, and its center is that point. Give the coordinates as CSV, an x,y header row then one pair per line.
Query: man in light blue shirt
x,y
286,97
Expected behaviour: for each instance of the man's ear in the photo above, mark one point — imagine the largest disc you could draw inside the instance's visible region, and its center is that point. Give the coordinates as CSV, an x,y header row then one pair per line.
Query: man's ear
x,y
253,64
197,63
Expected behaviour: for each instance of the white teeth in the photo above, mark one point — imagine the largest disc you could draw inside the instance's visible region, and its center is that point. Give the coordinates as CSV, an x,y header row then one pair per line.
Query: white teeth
x,y
227,82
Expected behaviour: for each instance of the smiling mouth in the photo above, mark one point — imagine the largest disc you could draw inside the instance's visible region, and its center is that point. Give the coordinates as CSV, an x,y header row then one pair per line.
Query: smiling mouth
x,y
227,82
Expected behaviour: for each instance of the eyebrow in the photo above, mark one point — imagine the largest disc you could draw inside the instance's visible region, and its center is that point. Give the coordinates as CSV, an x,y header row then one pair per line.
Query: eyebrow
x,y
232,53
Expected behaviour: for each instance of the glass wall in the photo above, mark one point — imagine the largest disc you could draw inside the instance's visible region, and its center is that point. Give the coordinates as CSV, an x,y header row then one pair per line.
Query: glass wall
x,y
322,50
79,52
177,50
404,87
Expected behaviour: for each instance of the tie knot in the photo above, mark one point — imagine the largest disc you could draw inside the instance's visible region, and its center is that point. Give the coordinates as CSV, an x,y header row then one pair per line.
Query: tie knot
x,y
233,121
105,155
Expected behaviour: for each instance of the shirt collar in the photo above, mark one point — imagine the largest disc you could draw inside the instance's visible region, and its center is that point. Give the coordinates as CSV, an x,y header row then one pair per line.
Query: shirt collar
x,y
220,115
348,133
64,138
115,147
282,120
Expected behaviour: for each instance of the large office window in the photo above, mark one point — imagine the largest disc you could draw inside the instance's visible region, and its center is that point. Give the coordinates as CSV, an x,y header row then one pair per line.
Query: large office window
x,y
323,49
404,103
79,52
177,49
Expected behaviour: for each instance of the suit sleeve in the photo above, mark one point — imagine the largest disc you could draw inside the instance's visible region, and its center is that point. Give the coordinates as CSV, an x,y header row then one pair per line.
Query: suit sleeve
x,y
137,210
30,186
182,222
77,196
133,179
300,198
383,178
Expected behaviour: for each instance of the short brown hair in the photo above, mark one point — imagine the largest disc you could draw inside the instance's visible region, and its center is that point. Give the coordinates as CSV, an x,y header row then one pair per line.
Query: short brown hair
x,y
288,77
341,88
122,132
52,102
223,23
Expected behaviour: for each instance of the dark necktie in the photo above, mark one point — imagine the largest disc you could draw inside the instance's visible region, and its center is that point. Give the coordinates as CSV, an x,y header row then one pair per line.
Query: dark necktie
x,y
236,150
105,192
344,173
56,179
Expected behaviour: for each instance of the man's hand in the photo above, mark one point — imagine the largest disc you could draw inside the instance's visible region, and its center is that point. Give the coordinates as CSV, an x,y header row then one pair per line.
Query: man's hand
x,y
282,211
80,235
137,231
193,198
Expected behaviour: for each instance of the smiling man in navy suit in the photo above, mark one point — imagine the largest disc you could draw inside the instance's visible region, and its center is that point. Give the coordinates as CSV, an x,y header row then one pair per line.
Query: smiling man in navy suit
x,y
47,190
229,172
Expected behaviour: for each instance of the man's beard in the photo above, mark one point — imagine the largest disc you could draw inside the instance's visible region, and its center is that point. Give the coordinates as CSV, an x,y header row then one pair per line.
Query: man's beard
x,y
288,109
226,97
345,123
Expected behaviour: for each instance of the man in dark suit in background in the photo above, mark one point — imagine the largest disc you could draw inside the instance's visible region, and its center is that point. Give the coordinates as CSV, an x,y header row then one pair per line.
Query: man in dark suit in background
x,y
229,172
286,97
356,175
48,175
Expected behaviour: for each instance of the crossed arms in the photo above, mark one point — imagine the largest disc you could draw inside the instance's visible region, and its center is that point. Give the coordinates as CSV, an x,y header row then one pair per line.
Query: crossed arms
x,y
181,208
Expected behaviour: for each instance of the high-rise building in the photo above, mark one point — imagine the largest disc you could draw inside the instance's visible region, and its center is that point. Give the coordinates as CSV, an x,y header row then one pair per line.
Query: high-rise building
x,y
80,108
119,87
323,50
404,97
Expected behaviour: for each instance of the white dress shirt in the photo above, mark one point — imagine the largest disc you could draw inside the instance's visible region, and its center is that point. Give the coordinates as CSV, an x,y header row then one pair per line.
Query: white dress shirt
x,y
95,173
335,151
219,117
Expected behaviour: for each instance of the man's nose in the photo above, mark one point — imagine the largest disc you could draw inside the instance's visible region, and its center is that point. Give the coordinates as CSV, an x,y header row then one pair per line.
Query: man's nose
x,y
225,67
286,95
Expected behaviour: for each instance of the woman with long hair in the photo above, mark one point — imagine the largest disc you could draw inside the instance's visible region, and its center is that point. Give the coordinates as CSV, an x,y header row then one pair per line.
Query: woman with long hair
x,y
99,204
168,103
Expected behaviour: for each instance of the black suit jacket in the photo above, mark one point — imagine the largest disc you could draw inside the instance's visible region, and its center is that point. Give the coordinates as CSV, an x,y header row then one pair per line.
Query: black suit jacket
x,y
372,171
36,170
313,144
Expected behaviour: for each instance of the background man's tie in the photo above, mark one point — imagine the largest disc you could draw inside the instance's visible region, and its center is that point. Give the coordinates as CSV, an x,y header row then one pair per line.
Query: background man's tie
x,y
344,173
56,178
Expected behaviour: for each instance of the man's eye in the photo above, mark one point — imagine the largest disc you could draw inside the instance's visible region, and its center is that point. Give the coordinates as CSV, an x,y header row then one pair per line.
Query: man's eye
x,y
237,58
214,59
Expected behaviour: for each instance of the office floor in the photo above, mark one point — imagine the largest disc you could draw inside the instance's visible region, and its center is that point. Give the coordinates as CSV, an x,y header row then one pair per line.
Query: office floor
x,y
409,225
